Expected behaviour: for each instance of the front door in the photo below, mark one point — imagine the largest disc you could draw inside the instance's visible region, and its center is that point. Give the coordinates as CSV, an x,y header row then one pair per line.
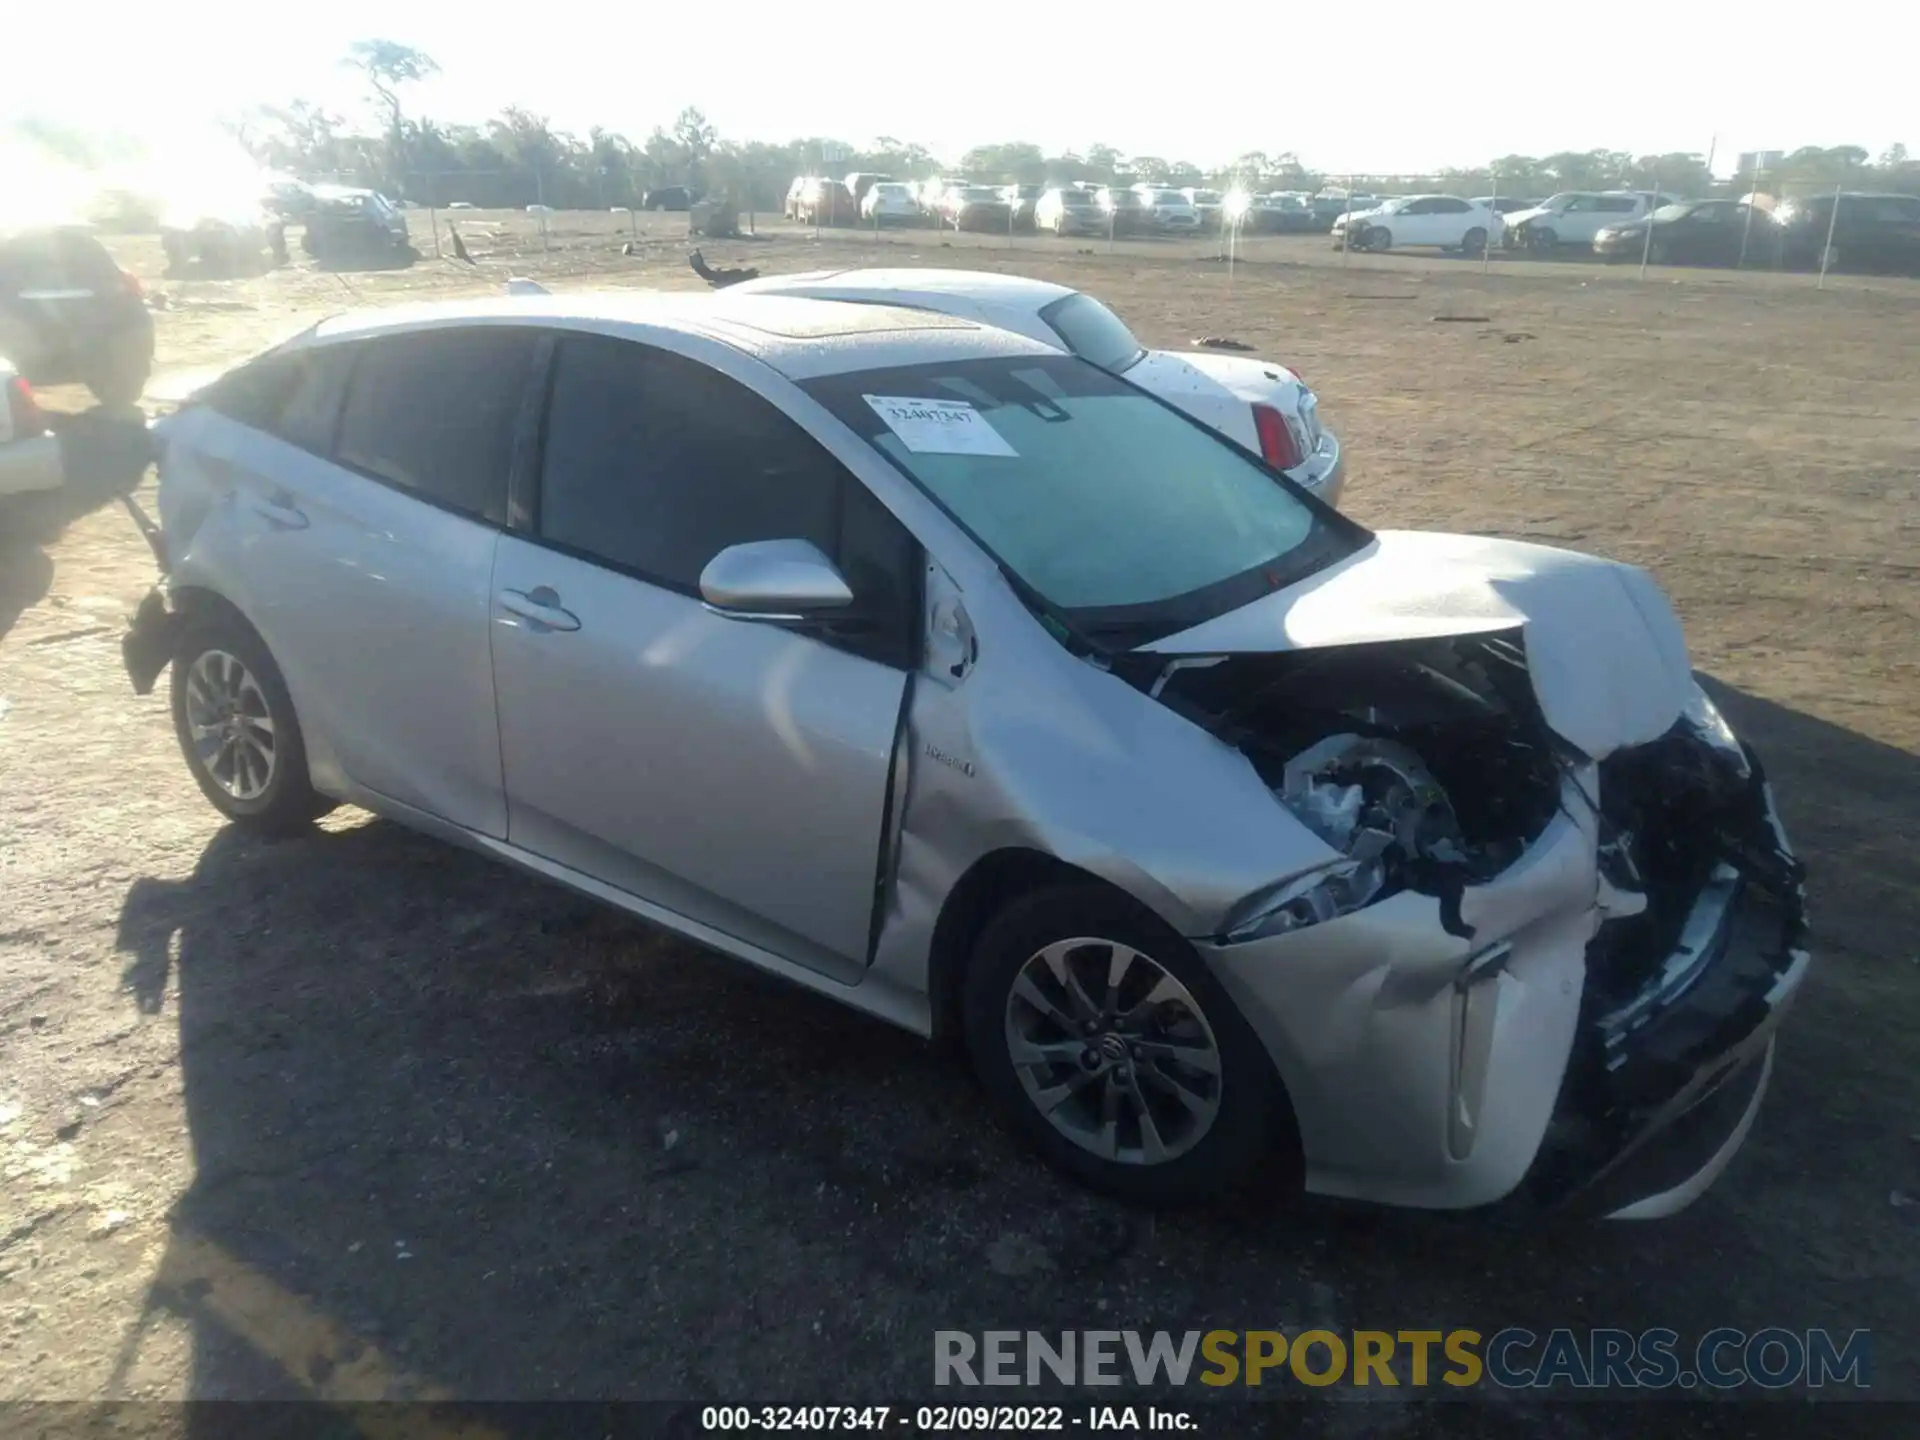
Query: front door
x,y
733,771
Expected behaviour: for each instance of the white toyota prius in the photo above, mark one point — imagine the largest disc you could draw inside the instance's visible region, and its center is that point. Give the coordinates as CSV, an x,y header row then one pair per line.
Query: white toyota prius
x,y
946,673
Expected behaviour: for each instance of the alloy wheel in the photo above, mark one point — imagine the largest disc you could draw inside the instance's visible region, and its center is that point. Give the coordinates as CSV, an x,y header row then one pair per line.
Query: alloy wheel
x,y
230,725
1113,1051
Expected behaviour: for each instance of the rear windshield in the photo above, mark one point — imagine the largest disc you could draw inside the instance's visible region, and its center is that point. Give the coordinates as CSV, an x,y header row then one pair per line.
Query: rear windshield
x,y
55,260
1093,332
980,192
1123,515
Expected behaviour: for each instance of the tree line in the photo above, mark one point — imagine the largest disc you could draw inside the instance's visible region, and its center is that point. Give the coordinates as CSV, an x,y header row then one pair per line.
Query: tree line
x,y
518,158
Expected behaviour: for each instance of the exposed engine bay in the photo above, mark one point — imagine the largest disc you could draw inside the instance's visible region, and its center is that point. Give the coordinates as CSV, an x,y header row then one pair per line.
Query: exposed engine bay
x,y
1426,762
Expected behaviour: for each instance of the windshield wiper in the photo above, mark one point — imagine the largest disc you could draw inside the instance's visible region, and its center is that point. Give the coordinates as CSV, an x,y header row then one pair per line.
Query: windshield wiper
x,y
1054,620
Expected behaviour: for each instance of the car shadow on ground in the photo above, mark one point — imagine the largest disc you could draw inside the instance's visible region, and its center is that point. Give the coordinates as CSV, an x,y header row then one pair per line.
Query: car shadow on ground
x,y
103,455
455,1129
366,262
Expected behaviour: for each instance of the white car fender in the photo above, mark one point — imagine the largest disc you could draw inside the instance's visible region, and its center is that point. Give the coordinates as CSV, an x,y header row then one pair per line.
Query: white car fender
x,y
1258,382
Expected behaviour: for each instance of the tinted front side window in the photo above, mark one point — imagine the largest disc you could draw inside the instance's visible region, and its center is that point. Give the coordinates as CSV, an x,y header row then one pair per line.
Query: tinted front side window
x,y
658,463
434,412
655,463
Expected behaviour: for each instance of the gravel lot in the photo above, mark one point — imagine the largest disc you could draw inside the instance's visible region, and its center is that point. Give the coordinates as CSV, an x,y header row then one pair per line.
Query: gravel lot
x,y
360,1116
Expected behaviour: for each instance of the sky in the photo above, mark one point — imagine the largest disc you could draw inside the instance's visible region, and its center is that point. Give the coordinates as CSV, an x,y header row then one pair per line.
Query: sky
x,y
1383,87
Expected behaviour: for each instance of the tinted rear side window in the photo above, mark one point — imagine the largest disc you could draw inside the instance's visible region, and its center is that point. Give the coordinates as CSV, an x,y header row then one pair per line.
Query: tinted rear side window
x,y
295,397
434,413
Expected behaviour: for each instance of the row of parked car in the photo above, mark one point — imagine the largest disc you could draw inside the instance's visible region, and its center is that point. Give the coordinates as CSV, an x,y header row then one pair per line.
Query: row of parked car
x,y
1076,208
1871,232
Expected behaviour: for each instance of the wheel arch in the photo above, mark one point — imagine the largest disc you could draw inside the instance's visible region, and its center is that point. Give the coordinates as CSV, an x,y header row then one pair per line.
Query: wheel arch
x,y
995,881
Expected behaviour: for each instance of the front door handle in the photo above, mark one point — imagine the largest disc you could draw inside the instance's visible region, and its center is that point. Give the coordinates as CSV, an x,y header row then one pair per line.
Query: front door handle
x,y
541,606
280,513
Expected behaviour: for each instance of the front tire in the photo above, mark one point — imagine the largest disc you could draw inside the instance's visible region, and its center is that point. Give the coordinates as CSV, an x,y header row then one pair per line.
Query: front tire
x,y
1378,238
237,729
1474,242
1104,1040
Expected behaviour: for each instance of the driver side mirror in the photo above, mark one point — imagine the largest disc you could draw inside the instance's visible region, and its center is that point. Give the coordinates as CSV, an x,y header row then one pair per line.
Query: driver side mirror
x,y
782,580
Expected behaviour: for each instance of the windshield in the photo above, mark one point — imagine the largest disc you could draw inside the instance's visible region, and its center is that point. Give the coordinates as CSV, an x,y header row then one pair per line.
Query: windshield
x,y
1387,207
979,192
898,192
1673,212
1122,515
1093,332
1558,202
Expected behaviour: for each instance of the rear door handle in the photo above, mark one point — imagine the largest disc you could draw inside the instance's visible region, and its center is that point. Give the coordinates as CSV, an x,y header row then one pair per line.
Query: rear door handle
x,y
280,513
540,605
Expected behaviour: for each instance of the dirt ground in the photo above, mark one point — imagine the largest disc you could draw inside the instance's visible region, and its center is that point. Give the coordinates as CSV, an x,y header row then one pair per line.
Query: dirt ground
x,y
362,1116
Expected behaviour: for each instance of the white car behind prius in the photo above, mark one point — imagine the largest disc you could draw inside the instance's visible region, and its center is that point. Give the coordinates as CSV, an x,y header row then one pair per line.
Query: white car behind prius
x,y
955,677
1258,404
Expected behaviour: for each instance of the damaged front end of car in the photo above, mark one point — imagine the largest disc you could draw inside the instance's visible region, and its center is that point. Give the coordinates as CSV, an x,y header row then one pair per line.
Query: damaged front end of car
x,y
1534,973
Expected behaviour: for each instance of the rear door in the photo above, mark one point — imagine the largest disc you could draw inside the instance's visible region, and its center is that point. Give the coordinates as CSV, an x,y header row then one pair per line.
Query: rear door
x,y
370,498
735,772
1451,220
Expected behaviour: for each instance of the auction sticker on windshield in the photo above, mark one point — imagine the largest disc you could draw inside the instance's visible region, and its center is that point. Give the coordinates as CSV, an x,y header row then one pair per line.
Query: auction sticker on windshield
x,y
939,427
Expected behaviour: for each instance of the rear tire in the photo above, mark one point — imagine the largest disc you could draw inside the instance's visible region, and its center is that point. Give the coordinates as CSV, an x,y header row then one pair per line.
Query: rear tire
x,y
119,377
237,729
1153,1089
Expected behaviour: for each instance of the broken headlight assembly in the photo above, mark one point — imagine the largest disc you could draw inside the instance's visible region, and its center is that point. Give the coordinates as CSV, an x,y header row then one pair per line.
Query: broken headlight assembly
x,y
1376,802
1710,727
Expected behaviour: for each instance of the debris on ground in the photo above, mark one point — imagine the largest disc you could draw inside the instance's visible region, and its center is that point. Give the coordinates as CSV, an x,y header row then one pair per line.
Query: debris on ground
x,y
1221,342
720,276
1461,320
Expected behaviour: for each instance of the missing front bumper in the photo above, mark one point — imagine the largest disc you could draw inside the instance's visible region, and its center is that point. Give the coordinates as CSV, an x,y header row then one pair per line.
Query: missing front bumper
x,y
1664,1085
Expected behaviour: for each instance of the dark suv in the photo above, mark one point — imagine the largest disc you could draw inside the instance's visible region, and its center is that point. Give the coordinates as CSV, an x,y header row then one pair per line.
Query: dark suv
x,y
1874,232
69,313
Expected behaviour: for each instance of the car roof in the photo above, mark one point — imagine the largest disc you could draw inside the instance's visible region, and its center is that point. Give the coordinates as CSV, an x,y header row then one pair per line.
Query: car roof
x,y
800,337
913,287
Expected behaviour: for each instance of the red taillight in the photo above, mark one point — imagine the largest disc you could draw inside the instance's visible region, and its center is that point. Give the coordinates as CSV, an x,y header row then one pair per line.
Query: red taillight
x,y
25,414
1277,445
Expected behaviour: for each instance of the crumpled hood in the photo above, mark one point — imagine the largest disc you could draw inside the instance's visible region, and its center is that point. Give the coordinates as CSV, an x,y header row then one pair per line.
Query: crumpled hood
x,y
1604,647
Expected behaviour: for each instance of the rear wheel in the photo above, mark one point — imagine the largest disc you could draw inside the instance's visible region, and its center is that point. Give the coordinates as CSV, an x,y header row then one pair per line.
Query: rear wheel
x,y
236,726
118,377
1107,1043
